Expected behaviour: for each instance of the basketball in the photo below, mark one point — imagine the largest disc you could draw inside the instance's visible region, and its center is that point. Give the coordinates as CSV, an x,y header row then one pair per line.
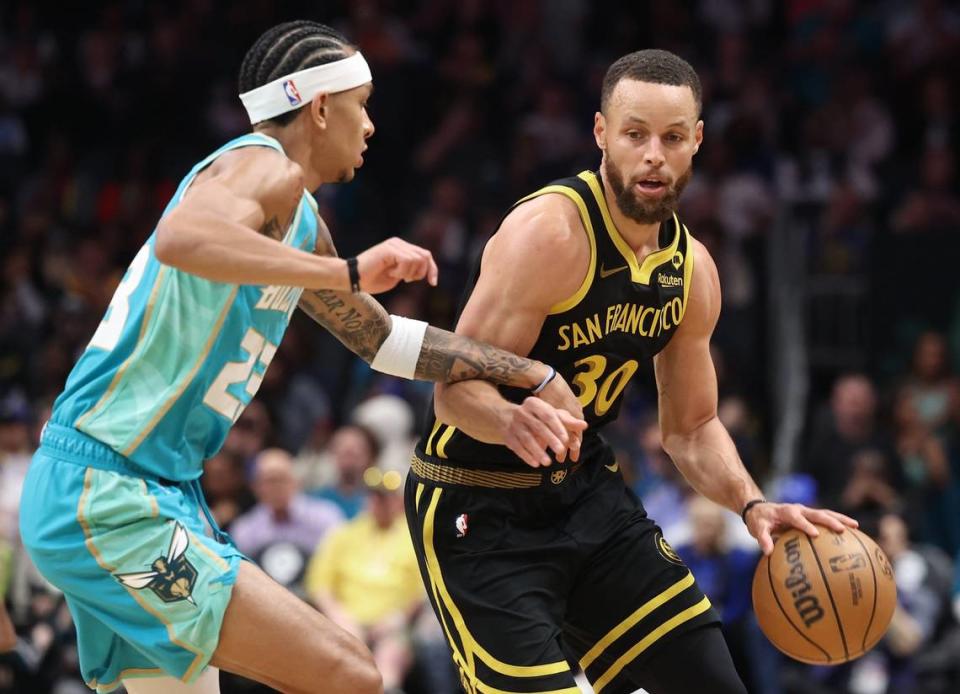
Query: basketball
x,y
824,600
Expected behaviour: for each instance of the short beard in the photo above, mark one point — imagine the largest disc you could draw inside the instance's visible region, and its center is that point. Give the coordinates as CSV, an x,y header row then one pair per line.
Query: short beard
x,y
639,210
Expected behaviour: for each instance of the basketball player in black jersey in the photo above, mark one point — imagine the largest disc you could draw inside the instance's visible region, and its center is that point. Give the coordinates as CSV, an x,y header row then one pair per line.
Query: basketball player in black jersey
x,y
591,274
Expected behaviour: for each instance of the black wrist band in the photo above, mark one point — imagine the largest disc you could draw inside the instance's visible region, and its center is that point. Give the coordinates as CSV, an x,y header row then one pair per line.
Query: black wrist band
x,y
750,505
354,273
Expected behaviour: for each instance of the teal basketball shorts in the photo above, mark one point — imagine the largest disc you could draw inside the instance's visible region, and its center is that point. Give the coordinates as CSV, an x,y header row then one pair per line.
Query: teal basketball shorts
x,y
147,587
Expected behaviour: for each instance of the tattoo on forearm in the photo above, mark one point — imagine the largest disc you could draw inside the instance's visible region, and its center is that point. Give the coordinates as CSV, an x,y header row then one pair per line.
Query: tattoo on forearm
x,y
362,324
357,320
449,358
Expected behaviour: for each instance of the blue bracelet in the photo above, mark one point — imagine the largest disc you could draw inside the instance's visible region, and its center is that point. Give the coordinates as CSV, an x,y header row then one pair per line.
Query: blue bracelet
x,y
545,382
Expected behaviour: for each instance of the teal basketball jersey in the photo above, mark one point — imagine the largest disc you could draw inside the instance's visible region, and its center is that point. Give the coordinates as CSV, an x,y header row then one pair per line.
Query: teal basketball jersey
x,y
178,357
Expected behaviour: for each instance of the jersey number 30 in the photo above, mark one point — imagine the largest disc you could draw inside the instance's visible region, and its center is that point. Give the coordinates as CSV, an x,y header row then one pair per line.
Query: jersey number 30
x,y
610,385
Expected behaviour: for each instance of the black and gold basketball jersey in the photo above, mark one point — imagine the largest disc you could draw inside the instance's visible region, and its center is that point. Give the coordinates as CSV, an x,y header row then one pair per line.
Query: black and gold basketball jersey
x,y
624,311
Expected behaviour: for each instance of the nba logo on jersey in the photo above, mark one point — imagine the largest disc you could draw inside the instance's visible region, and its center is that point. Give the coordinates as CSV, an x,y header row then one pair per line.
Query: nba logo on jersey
x,y
290,89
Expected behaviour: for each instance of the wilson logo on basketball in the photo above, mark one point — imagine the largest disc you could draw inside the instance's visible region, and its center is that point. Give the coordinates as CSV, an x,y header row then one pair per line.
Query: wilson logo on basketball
x,y
807,606
847,562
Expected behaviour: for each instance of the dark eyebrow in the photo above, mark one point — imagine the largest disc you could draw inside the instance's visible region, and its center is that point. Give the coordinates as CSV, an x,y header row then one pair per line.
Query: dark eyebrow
x,y
641,121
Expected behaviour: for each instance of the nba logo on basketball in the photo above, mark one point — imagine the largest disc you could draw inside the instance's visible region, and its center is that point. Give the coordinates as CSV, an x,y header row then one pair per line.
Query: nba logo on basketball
x,y
290,89
461,524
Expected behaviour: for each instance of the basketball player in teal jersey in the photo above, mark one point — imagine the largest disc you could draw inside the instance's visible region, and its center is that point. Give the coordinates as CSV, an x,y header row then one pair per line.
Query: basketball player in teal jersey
x,y
112,510
517,560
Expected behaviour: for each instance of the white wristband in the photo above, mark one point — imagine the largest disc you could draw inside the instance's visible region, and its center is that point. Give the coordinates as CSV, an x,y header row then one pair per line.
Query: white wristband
x,y
400,352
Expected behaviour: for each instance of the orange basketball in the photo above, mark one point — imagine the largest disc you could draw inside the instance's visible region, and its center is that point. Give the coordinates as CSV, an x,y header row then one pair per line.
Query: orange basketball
x,y
827,599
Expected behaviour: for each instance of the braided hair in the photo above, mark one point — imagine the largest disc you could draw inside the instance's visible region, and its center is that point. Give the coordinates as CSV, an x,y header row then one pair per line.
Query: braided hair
x,y
287,48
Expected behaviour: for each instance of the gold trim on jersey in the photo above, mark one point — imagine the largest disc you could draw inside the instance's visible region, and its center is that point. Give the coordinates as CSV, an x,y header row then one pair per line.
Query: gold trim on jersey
x,y
573,195
639,272
448,474
84,521
634,618
416,499
471,649
645,643
436,427
687,270
135,352
188,379
444,440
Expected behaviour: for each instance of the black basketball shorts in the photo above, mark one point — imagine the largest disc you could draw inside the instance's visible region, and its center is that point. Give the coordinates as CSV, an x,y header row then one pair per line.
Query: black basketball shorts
x,y
516,568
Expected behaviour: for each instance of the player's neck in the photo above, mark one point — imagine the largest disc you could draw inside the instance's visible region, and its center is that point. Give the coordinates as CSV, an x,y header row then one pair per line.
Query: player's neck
x,y
642,238
297,149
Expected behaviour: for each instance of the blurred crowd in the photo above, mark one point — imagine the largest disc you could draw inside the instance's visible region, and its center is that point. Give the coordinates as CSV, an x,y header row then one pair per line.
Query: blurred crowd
x,y
838,112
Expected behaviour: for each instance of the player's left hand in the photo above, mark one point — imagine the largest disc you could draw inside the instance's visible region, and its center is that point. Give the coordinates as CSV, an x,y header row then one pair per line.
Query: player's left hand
x,y
768,519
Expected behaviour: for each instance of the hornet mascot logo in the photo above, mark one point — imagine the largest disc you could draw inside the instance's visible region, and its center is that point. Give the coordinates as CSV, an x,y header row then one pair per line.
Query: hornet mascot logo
x,y
173,575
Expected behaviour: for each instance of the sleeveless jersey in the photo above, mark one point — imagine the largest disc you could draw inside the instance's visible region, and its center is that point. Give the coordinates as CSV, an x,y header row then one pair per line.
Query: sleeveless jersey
x,y
624,311
177,357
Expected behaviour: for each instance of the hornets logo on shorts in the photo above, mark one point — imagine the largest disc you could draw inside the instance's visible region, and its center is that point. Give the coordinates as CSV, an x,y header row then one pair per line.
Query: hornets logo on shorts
x,y
173,576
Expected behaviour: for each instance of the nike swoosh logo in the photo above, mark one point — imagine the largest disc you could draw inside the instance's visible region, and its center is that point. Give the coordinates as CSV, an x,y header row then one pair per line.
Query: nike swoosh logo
x,y
613,468
604,273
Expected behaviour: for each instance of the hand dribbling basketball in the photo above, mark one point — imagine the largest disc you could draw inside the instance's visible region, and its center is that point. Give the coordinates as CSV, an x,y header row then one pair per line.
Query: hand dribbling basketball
x,y
827,599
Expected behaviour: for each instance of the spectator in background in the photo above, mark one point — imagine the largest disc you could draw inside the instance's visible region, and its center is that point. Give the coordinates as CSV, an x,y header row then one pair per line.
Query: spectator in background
x,y
225,488
725,575
934,205
354,449
15,452
848,427
923,576
931,389
365,577
285,527
390,419
870,489
251,433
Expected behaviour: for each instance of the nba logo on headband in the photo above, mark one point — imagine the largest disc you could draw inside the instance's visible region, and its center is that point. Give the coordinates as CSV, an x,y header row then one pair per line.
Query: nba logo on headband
x,y
293,96
267,101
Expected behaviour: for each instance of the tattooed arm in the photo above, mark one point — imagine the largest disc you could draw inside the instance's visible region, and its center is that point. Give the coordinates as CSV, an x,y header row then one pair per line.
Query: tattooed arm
x,y
362,324
555,419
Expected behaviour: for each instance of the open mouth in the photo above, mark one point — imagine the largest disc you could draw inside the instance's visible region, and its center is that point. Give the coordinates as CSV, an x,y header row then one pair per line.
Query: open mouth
x,y
652,186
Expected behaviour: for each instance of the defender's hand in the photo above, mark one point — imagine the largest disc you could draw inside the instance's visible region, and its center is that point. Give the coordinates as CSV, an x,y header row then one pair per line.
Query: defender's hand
x,y
768,519
534,426
383,266
558,394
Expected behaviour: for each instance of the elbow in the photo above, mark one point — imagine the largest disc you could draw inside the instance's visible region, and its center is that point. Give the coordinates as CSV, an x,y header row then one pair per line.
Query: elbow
x,y
677,442
168,246
678,439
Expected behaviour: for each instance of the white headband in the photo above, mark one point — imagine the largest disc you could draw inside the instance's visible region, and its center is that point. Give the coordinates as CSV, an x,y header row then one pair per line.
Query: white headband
x,y
294,90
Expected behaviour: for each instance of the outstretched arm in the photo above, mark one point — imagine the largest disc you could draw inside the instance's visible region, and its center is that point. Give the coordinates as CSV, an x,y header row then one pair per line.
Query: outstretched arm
x,y
694,437
362,324
230,225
